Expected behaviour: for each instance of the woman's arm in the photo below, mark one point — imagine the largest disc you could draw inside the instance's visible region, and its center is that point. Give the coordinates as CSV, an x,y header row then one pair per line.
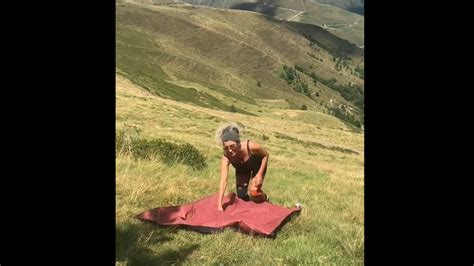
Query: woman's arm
x,y
223,184
255,148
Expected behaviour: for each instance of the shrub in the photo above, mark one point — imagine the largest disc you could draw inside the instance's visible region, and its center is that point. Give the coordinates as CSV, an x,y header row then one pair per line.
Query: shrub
x,y
168,152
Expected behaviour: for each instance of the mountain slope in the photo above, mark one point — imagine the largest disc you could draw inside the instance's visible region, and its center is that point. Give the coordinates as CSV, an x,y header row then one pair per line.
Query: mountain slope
x,y
356,6
217,58
334,16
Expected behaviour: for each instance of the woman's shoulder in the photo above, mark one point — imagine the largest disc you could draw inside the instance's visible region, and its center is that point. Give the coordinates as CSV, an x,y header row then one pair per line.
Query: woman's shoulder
x,y
225,158
254,146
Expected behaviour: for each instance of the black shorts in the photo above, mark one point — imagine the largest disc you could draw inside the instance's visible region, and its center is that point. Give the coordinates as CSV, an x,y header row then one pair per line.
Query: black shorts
x,y
242,179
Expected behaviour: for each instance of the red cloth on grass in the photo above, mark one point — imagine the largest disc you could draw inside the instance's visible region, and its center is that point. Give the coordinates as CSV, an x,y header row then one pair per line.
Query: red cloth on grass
x,y
202,215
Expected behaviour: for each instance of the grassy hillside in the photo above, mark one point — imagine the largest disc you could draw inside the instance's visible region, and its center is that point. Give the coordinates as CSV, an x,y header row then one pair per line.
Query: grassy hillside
x,y
356,6
340,17
232,60
340,22
314,159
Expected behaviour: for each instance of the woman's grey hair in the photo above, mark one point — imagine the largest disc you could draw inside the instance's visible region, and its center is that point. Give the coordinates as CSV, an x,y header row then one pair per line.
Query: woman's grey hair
x,y
230,130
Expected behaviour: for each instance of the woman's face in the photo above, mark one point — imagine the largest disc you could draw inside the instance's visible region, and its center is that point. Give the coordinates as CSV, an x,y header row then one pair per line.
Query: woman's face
x,y
230,148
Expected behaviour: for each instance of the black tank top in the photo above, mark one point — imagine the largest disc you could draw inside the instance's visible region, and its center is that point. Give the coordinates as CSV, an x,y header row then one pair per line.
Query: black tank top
x,y
253,163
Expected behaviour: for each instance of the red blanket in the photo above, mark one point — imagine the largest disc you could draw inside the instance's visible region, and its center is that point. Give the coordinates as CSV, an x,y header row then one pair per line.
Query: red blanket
x,y
202,215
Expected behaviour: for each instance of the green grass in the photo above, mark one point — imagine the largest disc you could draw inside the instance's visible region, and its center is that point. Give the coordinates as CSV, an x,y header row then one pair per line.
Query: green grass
x,y
329,228
329,184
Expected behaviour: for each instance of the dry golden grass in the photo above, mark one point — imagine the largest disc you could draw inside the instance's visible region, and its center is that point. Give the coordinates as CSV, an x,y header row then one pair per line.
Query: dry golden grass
x,y
328,183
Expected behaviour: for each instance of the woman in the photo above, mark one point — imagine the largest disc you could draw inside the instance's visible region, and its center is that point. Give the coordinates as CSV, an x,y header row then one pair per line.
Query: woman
x,y
249,160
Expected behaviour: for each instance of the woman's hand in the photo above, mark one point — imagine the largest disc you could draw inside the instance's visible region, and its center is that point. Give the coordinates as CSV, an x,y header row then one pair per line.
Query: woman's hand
x,y
219,208
257,181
